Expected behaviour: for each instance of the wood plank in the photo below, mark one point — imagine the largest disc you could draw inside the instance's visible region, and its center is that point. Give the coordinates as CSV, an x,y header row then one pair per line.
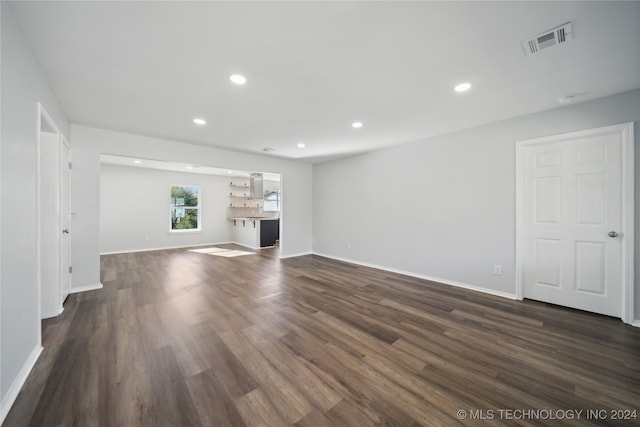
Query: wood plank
x,y
289,402
258,411
220,411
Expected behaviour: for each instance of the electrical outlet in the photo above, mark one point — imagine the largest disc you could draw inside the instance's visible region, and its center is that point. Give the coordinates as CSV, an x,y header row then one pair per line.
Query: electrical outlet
x,y
497,270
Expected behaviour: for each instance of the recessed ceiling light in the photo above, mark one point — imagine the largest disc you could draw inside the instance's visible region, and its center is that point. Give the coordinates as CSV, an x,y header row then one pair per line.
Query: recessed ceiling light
x,y
238,79
301,145
137,162
462,87
565,99
199,121
356,125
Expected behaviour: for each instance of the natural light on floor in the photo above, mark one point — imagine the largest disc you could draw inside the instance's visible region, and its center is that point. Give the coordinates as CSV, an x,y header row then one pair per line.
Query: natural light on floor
x,y
221,252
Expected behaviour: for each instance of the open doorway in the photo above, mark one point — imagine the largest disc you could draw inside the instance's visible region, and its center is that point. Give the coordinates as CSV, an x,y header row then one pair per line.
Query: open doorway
x,y
148,204
254,210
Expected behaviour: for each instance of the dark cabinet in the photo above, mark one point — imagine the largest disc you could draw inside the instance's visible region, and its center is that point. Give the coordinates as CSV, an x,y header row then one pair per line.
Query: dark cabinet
x,y
269,232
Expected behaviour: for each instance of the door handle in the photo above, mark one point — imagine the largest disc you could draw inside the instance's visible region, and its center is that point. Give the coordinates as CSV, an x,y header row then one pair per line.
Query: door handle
x,y
613,234
66,231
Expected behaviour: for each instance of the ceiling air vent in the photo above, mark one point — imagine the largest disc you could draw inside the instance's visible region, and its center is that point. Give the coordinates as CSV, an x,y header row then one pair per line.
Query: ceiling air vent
x,y
559,35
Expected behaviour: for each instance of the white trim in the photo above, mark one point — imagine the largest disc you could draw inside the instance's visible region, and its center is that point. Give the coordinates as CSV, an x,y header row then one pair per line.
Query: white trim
x,y
257,248
424,277
193,246
85,288
635,323
628,223
58,312
296,255
11,395
3,412
627,220
165,248
519,234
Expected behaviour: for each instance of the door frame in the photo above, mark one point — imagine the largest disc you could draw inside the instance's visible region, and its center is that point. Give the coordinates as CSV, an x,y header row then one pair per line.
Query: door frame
x,y
627,209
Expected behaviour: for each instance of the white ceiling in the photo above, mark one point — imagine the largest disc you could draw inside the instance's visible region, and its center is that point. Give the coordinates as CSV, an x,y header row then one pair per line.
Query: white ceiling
x,y
314,67
133,162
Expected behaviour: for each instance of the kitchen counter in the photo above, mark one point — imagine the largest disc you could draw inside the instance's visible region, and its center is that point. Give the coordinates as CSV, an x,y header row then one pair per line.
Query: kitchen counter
x,y
253,218
260,233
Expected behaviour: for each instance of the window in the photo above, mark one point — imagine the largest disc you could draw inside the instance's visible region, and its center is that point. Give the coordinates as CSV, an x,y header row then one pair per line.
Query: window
x,y
271,196
185,208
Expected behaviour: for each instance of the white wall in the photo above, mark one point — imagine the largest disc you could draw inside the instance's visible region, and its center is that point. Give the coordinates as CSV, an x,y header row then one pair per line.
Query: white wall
x,y
134,209
444,207
23,85
89,143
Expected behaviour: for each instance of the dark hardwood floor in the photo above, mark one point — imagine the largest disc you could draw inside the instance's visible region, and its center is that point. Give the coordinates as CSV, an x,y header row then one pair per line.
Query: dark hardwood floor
x,y
178,338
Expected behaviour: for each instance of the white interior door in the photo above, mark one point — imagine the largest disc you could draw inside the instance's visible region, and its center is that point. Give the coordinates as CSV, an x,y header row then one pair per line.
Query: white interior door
x,y
65,220
572,214
49,218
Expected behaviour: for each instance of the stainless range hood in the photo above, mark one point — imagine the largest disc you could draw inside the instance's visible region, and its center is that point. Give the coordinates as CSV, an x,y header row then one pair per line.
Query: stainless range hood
x,y
256,186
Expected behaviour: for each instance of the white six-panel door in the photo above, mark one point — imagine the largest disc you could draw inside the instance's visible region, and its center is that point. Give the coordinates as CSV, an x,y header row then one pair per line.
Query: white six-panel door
x,y
572,231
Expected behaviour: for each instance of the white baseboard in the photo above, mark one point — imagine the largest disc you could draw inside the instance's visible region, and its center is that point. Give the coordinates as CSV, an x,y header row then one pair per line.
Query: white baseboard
x,y
424,277
255,248
164,248
85,288
10,397
296,255
57,313
635,323
190,246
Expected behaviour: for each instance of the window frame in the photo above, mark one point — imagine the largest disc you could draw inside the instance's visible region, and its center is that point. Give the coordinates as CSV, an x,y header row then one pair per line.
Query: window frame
x,y
198,208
